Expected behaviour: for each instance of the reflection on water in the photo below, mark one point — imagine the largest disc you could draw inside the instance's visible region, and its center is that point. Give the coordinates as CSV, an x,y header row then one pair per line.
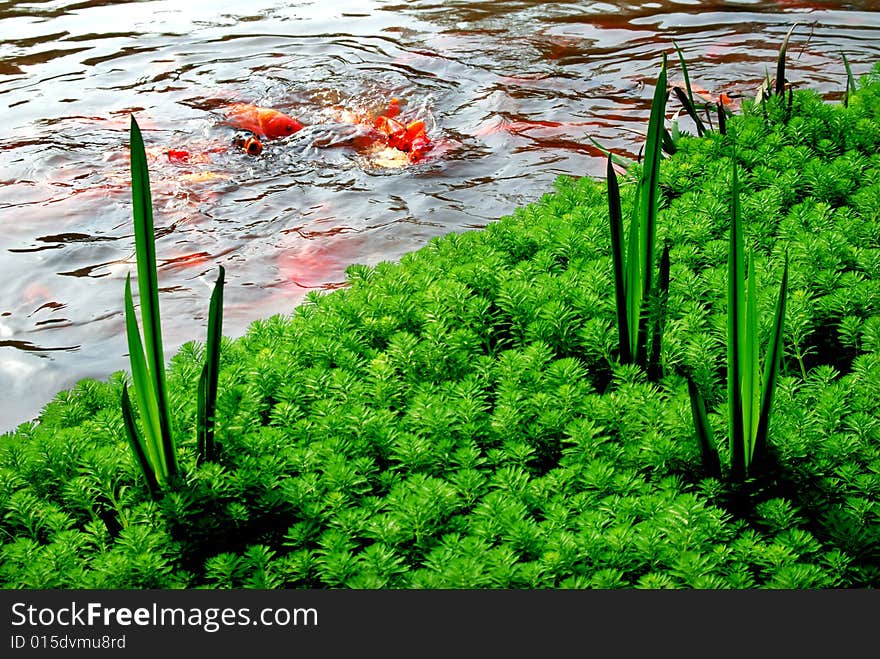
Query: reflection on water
x,y
512,92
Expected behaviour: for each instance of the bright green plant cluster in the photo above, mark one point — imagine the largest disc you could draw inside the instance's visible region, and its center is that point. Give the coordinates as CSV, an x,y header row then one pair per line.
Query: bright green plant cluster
x,y
462,418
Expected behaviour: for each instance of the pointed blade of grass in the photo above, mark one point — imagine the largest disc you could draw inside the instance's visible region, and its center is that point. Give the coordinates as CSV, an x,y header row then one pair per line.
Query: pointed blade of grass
x,y
690,109
708,449
143,390
619,160
668,142
615,216
201,417
780,61
649,192
722,118
135,439
771,367
751,385
850,80
633,279
207,389
687,100
735,318
148,285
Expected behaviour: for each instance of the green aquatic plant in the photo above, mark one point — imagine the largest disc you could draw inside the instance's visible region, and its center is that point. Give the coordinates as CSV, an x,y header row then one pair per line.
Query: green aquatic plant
x,y
850,80
780,86
155,449
749,393
686,97
633,255
447,420
207,387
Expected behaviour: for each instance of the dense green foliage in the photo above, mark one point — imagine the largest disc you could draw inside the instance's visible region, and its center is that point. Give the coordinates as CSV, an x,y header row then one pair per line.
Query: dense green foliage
x,y
460,419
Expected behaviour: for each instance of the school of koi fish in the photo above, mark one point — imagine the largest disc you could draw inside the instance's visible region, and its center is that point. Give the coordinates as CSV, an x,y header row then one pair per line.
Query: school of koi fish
x,y
387,139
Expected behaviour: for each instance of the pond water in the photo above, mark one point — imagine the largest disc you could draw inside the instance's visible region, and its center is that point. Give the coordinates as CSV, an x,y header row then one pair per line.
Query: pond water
x,y
512,93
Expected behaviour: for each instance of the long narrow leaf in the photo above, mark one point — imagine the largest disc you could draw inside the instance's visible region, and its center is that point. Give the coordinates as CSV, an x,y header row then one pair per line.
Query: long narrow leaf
x,y
780,62
207,389
690,108
649,192
632,279
722,118
202,416
615,216
688,101
148,287
143,390
751,374
850,80
708,449
735,318
135,439
771,367
619,160
668,143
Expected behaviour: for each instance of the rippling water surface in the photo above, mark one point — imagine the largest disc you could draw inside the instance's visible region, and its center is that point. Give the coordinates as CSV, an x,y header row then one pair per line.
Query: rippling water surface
x,y
513,92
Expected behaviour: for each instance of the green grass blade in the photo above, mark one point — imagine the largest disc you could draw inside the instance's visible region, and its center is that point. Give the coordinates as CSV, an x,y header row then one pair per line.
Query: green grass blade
x,y
633,278
735,318
148,286
202,416
619,160
649,193
137,442
780,61
850,80
689,107
708,449
771,367
669,142
143,389
207,390
615,216
687,100
751,374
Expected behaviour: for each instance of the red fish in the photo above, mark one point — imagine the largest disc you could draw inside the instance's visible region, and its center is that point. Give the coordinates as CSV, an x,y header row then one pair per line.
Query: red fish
x,y
263,122
411,138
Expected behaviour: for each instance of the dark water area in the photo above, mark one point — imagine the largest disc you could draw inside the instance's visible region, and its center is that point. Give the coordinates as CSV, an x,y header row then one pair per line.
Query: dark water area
x,y
512,93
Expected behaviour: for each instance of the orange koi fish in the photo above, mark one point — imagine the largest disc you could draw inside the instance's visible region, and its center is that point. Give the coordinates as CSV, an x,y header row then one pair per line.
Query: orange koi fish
x,y
410,137
262,122
397,141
